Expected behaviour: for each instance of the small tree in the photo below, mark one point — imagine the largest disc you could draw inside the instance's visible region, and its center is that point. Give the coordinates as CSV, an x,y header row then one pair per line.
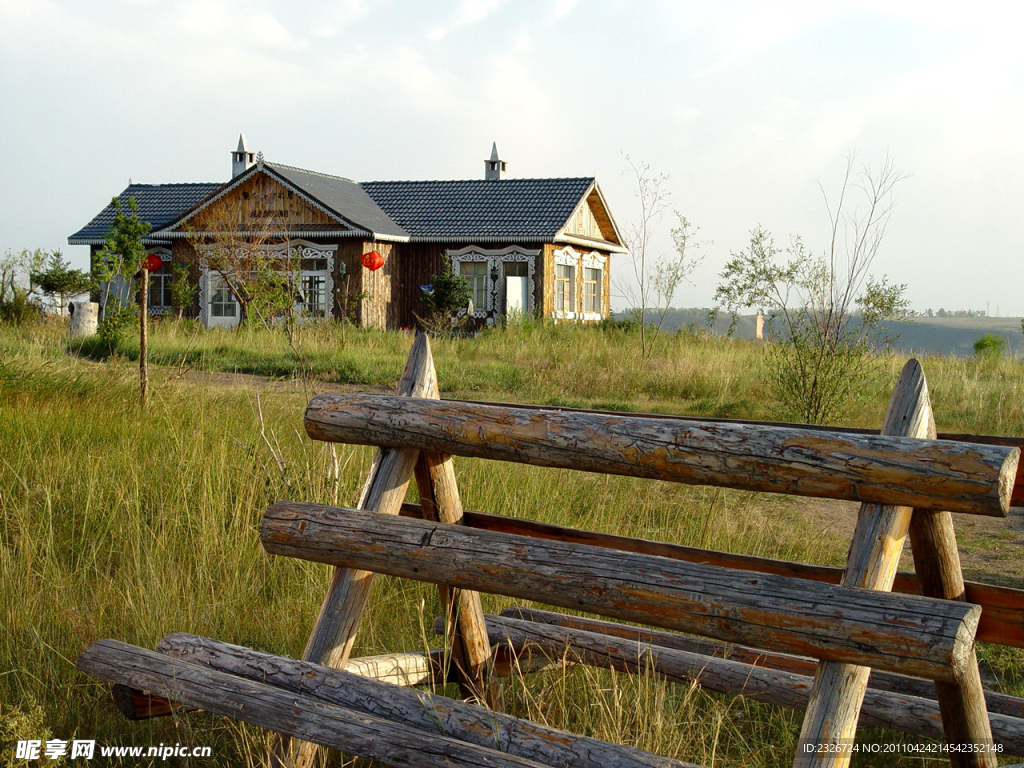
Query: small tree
x,y
654,198
59,281
672,272
654,277
236,240
183,288
823,314
123,254
448,294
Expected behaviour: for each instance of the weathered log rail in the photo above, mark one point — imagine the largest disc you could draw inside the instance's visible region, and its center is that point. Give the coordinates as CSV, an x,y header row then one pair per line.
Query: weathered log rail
x,y
838,643
924,474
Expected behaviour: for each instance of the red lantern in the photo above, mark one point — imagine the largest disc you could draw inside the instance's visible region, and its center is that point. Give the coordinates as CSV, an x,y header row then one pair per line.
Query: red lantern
x,y
153,262
372,261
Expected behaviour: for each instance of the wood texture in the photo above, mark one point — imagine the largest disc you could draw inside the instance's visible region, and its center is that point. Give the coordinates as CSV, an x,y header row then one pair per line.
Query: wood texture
x,y
1002,615
900,633
466,633
882,681
435,714
1016,498
331,640
895,710
959,477
964,713
830,723
313,720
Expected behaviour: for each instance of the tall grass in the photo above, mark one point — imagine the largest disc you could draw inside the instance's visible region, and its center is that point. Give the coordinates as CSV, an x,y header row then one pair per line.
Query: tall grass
x,y
119,523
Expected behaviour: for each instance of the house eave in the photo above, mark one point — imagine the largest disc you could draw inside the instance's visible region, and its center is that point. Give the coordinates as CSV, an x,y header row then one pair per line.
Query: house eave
x,y
162,240
588,242
478,239
305,233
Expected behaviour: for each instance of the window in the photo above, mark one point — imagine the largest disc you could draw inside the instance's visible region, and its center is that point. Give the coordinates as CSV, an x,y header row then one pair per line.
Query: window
x,y
314,294
565,288
516,268
222,302
475,273
591,290
160,299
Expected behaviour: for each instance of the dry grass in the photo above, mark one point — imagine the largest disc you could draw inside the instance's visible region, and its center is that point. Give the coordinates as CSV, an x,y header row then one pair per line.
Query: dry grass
x,y
119,524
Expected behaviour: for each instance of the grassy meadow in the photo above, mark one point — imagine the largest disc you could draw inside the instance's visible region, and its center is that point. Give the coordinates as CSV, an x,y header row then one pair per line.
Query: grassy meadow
x,y
120,523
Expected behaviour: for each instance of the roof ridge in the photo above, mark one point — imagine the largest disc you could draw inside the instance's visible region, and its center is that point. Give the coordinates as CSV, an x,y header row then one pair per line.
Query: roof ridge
x,y
479,181
176,184
307,170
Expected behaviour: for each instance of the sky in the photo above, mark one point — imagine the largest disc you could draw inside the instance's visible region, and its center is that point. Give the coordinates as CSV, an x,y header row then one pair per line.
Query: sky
x,y
751,109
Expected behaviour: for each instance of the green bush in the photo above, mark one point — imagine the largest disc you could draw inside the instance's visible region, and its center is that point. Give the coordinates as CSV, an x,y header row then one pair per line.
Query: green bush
x,y
990,347
17,308
113,329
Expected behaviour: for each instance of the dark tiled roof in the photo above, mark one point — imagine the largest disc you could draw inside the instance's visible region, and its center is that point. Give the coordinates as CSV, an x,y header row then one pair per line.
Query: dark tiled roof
x,y
514,208
343,196
159,204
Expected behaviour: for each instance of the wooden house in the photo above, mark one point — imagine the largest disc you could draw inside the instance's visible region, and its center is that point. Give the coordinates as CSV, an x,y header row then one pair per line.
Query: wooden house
x,y
537,246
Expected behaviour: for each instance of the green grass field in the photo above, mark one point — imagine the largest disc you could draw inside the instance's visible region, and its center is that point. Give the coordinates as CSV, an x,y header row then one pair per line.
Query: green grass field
x,y
128,524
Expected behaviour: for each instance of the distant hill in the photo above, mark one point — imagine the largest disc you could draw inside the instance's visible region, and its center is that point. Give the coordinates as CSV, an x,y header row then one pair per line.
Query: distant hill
x,y
934,335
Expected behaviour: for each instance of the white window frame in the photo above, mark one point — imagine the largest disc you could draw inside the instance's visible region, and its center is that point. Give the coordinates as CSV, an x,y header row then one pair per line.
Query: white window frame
x,y
566,257
477,282
495,258
599,262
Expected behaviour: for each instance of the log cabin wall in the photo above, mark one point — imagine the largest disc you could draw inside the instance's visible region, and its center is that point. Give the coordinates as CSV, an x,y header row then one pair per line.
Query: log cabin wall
x,y
377,306
418,263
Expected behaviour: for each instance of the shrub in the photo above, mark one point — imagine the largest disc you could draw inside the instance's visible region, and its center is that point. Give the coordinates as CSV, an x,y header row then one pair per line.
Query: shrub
x,y
990,347
114,328
448,294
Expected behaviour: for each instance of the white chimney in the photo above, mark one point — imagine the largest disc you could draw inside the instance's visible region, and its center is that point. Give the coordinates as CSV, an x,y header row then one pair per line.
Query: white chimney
x,y
494,169
241,159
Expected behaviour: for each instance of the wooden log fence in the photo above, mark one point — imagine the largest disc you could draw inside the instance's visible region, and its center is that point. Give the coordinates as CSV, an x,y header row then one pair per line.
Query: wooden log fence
x,y
925,474
900,633
1002,616
913,709
839,644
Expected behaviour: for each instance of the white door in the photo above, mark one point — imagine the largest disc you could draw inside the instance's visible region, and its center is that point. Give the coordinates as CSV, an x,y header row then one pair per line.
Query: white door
x,y
516,295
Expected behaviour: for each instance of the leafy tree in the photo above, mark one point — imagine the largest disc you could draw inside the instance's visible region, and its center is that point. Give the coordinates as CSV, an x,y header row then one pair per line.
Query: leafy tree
x,y
60,281
823,314
123,254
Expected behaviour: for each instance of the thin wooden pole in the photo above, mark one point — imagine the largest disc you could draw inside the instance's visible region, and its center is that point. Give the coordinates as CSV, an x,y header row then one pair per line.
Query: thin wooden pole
x,y
330,642
465,628
830,724
965,716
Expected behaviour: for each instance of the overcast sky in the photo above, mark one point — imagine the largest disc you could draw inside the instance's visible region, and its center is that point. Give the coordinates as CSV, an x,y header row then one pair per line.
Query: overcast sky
x,y
746,106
